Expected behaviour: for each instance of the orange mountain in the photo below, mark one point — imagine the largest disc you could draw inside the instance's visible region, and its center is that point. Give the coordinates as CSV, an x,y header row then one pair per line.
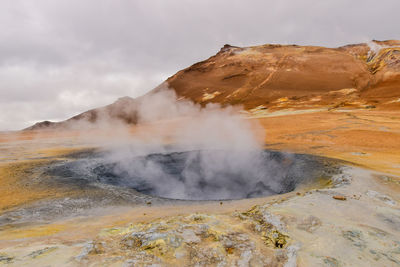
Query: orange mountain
x,y
273,77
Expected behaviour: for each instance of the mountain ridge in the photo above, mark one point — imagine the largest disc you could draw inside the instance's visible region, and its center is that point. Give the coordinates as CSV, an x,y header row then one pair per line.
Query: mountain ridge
x,y
273,77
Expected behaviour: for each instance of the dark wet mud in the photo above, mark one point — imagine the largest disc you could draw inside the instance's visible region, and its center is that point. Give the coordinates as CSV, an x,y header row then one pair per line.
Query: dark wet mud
x,y
98,180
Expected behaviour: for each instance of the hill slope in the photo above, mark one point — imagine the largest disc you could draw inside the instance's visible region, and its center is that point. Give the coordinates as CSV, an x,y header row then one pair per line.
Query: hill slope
x,y
278,77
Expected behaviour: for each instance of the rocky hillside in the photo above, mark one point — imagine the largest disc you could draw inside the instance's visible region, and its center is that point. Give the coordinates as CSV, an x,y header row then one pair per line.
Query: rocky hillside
x,y
124,109
272,77
282,76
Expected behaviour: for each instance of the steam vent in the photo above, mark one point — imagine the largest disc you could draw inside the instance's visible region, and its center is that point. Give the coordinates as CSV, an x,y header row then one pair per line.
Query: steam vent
x,y
198,175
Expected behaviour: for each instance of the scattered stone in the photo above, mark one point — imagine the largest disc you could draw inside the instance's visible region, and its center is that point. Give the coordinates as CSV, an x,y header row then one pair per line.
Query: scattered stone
x,y
339,197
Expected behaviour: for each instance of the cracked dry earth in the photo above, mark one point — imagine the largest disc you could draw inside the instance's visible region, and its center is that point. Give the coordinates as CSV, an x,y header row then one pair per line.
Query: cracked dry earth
x,y
353,221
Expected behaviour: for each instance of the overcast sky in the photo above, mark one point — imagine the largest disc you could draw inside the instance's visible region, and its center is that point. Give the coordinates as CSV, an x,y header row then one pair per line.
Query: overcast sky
x,y
59,58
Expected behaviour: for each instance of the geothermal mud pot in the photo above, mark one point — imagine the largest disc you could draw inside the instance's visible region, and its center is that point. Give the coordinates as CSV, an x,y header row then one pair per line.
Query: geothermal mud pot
x,y
197,174
118,177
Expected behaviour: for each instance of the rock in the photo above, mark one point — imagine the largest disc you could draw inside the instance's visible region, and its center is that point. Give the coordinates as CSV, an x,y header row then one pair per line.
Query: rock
x,y
339,197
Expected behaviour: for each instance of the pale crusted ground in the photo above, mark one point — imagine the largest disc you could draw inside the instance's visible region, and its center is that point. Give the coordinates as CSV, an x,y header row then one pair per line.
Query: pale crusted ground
x,y
310,228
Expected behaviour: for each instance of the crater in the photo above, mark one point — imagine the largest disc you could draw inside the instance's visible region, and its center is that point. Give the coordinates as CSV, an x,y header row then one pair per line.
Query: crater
x,y
198,174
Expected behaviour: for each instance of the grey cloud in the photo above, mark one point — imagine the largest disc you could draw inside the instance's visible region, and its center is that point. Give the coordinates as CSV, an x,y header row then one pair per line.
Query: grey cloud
x,y
99,50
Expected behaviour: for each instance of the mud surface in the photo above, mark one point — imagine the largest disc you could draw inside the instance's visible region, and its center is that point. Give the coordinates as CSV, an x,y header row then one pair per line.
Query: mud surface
x,y
183,175
97,182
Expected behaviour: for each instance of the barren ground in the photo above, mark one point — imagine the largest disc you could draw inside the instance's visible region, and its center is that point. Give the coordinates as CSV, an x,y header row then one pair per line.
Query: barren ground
x,y
309,226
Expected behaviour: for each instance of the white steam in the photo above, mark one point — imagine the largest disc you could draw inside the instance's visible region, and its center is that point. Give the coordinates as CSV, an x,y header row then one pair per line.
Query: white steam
x,y
225,158
182,150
